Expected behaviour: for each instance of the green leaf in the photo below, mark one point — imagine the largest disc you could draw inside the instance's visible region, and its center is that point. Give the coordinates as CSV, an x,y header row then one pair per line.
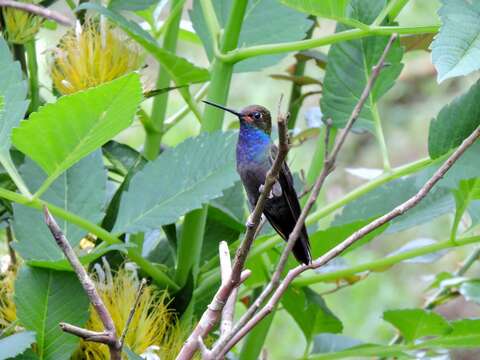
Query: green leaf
x,y
80,190
386,197
179,69
331,9
465,334
27,355
85,258
456,49
350,65
464,168
468,192
16,344
416,323
179,180
310,312
471,290
44,298
455,122
364,351
131,5
60,134
328,343
265,22
324,240
131,355
418,244
122,156
13,90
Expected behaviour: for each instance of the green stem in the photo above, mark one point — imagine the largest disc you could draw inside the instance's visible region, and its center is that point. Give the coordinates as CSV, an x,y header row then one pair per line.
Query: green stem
x,y
33,75
393,8
159,277
211,20
155,130
268,49
255,340
221,74
397,7
384,263
188,251
316,165
380,137
180,114
440,294
11,170
71,4
295,102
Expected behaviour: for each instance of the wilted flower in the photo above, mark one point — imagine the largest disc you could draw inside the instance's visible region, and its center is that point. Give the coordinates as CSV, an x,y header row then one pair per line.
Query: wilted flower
x,y
20,26
92,54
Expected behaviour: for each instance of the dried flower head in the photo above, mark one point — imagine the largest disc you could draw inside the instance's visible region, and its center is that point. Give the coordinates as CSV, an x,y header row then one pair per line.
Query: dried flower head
x,y
151,323
92,54
20,26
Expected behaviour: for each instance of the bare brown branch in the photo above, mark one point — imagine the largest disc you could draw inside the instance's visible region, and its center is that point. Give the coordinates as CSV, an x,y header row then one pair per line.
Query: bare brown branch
x,y
211,316
109,336
38,10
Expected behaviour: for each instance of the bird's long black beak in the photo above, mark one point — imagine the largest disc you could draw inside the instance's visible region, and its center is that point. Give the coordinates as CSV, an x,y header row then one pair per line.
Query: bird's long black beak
x,y
223,108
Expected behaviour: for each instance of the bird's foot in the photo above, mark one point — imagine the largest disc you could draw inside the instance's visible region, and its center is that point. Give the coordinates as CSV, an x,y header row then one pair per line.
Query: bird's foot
x,y
249,222
275,192
270,195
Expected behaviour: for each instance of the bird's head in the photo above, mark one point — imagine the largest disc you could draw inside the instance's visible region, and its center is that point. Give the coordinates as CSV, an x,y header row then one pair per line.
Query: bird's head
x,y
253,115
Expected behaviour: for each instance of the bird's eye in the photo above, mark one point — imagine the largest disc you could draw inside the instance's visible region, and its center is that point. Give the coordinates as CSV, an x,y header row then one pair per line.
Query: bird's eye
x,y
257,115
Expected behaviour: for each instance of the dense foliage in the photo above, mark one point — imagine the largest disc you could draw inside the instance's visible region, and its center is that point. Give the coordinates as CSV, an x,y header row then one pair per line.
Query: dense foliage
x,y
160,211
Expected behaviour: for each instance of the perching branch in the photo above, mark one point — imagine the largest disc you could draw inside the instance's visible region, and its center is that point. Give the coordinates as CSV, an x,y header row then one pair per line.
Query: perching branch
x,y
329,164
359,234
109,335
212,315
38,10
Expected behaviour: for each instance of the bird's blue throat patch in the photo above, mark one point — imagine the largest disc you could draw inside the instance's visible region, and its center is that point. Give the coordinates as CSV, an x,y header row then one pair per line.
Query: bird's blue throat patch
x,y
253,144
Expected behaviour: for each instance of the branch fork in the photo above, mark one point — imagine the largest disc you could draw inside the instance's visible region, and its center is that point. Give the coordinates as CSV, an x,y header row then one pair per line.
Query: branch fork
x,y
109,335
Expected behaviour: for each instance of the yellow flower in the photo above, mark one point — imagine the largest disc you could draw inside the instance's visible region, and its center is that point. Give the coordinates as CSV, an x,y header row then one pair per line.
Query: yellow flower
x,y
20,26
92,54
8,312
151,325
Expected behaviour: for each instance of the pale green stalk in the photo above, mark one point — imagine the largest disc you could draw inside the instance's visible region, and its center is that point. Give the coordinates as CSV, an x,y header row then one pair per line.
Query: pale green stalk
x,y
383,263
268,49
158,276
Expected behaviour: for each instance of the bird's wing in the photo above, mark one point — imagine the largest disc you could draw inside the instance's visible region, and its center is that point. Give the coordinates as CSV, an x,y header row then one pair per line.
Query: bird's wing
x,y
285,180
286,223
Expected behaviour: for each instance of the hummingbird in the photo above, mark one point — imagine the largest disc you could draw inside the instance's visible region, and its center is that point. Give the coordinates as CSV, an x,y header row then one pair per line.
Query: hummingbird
x,y
255,154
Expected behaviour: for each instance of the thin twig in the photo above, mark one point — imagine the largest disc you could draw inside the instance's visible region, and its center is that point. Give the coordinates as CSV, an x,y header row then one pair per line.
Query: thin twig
x,y
211,316
11,251
38,10
132,312
109,336
329,164
359,234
